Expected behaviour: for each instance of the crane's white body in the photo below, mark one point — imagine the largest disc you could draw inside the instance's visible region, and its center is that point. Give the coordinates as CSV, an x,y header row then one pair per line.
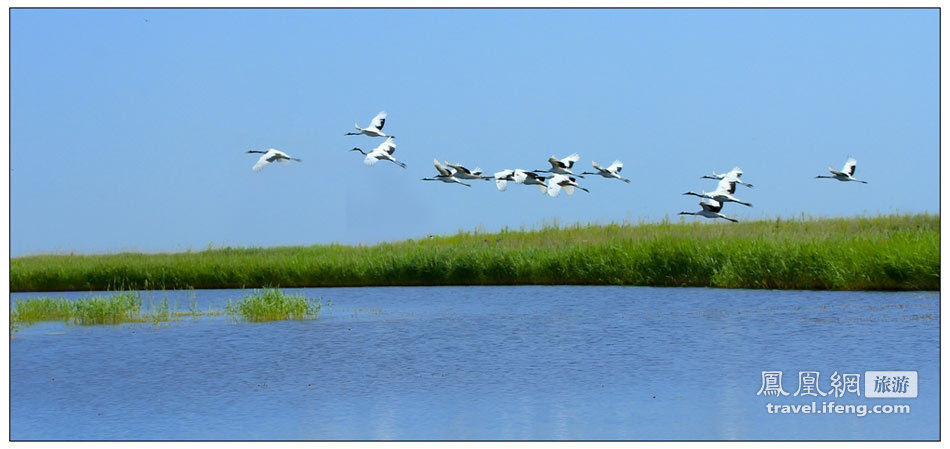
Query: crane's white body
x,y
563,182
735,174
846,173
463,173
531,179
375,129
520,176
502,178
612,171
383,152
445,175
562,166
271,155
711,209
722,194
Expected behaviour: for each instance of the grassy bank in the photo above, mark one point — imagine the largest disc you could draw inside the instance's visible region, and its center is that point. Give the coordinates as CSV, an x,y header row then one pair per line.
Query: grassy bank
x,y
893,252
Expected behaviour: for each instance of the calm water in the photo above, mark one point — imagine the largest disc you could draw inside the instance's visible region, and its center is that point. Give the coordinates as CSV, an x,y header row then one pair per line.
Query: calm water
x,y
481,363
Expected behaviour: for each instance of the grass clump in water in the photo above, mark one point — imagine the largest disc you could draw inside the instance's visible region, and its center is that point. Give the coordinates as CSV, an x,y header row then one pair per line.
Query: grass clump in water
x,y
119,308
273,305
115,309
125,307
42,309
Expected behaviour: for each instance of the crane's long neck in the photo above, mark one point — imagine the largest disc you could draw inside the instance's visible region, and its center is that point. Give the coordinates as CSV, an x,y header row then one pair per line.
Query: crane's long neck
x,y
360,150
256,151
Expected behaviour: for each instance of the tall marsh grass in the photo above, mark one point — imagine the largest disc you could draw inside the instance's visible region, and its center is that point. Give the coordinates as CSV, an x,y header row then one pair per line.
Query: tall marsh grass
x,y
273,305
114,309
126,307
890,252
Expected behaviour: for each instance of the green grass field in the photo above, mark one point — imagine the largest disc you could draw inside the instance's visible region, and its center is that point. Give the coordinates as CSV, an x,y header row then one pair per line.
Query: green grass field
x,y
891,252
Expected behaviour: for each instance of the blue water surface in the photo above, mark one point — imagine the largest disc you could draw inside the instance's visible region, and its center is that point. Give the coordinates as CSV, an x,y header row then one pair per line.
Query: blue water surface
x,y
480,363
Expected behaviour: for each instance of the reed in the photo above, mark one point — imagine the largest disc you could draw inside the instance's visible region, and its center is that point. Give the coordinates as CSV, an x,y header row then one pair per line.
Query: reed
x,y
114,309
274,305
888,252
123,307
42,309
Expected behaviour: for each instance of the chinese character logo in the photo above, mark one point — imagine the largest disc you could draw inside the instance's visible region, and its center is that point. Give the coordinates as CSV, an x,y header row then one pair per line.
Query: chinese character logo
x,y
772,384
890,384
845,383
808,384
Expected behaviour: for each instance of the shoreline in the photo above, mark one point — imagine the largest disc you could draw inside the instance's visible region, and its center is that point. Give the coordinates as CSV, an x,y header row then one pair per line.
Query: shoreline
x,y
886,252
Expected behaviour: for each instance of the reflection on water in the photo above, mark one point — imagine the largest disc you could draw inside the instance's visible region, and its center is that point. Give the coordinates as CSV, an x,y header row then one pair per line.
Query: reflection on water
x,y
479,363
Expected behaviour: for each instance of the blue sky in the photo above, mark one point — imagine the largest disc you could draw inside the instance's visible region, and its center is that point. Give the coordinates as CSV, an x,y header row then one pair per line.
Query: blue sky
x,y
129,127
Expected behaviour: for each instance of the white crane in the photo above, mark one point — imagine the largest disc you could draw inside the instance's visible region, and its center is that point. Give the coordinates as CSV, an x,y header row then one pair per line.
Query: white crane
x,y
520,176
562,166
559,181
271,155
722,194
445,175
846,173
502,178
711,209
531,179
463,173
375,128
612,171
383,152
734,174
727,184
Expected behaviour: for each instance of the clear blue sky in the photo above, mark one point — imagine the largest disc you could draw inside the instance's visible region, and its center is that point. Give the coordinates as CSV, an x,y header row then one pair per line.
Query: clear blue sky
x,y
129,134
